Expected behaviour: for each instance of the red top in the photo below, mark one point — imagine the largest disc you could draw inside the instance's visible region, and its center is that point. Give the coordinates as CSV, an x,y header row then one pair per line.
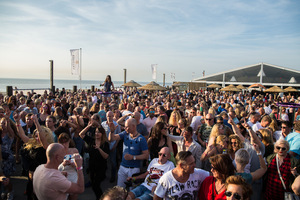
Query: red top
x,y
274,187
208,189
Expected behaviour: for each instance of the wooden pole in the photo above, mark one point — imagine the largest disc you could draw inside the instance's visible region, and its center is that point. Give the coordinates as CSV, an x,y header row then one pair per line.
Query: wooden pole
x,y
51,76
125,75
164,79
9,90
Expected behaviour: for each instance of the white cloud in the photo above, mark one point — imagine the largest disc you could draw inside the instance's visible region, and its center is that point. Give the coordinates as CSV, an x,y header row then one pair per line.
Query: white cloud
x,y
199,35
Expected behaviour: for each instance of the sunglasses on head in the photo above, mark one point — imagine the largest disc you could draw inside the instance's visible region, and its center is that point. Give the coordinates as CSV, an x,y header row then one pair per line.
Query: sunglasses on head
x,y
235,195
162,154
282,148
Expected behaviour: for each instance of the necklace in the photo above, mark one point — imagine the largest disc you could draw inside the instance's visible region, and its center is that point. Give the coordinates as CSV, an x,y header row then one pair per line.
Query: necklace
x,y
218,191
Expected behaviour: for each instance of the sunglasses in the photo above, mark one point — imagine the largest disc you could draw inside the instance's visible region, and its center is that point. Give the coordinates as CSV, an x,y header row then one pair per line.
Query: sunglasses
x,y
235,195
209,119
165,128
162,154
283,148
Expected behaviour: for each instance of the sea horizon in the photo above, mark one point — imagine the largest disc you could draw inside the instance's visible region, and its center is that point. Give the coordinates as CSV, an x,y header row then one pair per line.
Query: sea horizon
x,y
42,84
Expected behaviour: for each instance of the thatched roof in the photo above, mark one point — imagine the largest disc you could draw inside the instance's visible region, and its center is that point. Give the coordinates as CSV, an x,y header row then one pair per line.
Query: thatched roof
x,y
131,84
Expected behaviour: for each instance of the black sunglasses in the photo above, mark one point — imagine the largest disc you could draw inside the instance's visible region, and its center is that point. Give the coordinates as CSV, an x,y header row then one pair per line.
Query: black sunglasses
x,y
283,148
164,155
235,195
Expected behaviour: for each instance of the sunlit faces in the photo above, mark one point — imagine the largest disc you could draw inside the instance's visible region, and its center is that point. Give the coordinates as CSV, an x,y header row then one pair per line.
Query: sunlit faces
x,y
234,192
281,149
98,134
214,172
234,144
189,165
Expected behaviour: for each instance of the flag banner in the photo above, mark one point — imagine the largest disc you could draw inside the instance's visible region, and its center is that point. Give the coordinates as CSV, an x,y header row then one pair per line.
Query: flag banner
x,y
75,61
154,68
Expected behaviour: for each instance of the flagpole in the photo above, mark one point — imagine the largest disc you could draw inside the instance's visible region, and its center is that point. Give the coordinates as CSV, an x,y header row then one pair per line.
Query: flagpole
x,y
80,66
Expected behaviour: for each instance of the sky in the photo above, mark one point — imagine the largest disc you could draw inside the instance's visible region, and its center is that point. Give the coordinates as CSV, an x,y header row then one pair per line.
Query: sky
x,y
183,38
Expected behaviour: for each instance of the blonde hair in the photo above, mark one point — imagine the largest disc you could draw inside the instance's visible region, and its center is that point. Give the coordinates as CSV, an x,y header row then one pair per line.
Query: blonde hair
x,y
212,112
281,141
266,136
178,117
33,143
221,138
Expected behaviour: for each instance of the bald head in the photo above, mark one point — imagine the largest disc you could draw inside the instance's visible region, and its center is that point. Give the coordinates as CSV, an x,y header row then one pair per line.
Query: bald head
x,y
53,150
131,122
137,116
163,155
109,116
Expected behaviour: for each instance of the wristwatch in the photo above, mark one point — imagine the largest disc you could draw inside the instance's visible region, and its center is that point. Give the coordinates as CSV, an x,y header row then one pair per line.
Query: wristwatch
x,y
259,154
134,158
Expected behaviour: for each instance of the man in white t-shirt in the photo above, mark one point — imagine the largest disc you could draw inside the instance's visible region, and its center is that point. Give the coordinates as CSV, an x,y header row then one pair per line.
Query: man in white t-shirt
x,y
156,168
183,182
49,183
265,122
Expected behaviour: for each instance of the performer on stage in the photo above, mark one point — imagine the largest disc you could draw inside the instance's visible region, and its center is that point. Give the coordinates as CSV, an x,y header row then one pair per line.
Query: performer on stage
x,y
108,84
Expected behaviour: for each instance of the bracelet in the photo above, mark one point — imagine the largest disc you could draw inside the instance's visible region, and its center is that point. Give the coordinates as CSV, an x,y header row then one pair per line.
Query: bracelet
x,y
18,124
79,168
259,154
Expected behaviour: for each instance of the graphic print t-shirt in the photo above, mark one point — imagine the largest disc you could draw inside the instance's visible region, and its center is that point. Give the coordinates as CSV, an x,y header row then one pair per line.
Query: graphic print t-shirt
x,y
170,189
156,171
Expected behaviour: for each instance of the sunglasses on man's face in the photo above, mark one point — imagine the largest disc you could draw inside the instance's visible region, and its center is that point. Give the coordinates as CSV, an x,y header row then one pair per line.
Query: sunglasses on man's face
x,y
235,195
282,148
162,154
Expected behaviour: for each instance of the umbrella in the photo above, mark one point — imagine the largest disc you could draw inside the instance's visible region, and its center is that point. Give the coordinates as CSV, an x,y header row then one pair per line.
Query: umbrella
x,y
214,86
231,88
257,85
274,89
131,84
152,86
290,89
241,87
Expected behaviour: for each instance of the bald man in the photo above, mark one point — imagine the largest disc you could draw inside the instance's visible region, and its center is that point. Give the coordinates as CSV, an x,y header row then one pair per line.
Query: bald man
x,y
49,183
156,168
135,149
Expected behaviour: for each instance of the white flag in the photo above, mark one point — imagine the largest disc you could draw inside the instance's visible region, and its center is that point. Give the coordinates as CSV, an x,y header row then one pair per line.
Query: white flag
x,y
154,68
75,61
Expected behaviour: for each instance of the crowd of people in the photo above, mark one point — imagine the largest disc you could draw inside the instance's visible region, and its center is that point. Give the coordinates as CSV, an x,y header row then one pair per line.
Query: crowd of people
x,y
183,145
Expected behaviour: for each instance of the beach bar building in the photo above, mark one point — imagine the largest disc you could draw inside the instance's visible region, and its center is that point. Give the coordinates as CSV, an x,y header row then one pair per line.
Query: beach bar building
x,y
265,74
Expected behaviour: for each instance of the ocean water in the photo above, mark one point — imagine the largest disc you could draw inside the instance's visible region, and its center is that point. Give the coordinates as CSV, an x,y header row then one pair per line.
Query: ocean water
x,y
42,84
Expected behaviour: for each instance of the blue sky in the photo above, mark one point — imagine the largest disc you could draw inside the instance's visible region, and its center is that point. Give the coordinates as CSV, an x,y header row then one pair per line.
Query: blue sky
x,y
182,37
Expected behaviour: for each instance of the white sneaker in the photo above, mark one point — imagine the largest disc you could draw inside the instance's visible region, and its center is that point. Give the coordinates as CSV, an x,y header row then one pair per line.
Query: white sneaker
x,y
3,195
10,195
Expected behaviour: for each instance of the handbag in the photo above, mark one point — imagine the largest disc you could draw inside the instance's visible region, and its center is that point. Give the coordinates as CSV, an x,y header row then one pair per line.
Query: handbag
x,y
287,195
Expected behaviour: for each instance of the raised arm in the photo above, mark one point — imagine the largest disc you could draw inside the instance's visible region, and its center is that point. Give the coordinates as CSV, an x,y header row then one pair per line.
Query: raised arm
x,y
40,132
78,187
112,136
236,130
209,151
253,136
83,131
20,130
263,168
121,120
11,132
